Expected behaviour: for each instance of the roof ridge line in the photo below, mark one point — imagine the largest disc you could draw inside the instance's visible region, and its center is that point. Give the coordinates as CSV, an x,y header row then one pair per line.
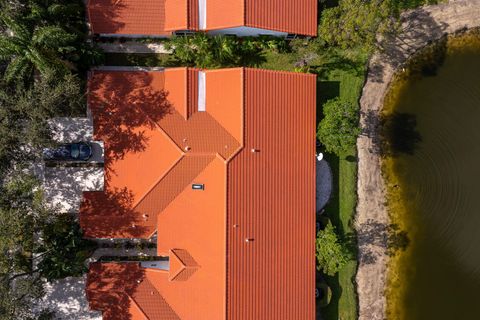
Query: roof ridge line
x,y
158,181
245,12
241,143
180,270
164,132
163,176
137,305
182,154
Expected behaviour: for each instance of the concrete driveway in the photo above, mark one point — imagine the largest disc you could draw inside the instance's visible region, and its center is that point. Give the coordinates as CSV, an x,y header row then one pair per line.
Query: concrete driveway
x,y
63,185
66,297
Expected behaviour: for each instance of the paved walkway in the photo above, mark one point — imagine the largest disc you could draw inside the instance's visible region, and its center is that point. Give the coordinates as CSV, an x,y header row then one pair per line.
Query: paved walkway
x,y
63,186
66,129
134,47
67,298
420,27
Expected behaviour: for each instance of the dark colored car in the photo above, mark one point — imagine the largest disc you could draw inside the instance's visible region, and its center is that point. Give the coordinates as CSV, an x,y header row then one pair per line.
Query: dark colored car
x,y
80,151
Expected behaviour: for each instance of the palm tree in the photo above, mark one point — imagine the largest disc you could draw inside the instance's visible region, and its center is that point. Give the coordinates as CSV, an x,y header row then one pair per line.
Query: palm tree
x,y
226,50
66,13
29,49
182,49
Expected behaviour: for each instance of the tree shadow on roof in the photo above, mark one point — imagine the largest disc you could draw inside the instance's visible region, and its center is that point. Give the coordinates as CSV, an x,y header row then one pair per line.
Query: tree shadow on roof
x,y
105,15
110,214
124,105
110,286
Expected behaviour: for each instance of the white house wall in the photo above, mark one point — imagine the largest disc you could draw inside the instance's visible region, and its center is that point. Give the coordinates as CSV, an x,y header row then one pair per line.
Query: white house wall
x,y
248,32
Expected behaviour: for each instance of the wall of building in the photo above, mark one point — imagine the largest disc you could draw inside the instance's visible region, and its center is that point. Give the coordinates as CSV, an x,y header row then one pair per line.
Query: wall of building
x,y
248,31
160,264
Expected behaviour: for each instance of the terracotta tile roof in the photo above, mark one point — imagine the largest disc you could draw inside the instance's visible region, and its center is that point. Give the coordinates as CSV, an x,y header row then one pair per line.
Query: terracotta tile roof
x,y
172,184
136,17
152,152
182,265
271,201
123,291
297,17
125,108
161,17
195,222
223,14
266,197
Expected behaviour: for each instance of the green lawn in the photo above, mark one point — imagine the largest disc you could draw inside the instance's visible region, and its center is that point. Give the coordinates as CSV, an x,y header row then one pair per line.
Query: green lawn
x,y
341,209
339,74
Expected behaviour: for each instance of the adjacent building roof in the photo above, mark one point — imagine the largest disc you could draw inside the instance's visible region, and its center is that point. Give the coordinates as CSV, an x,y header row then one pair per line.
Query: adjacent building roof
x,y
162,17
243,246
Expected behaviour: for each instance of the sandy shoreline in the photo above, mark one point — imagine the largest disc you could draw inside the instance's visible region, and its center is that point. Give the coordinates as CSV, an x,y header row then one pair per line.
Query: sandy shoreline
x,y
420,27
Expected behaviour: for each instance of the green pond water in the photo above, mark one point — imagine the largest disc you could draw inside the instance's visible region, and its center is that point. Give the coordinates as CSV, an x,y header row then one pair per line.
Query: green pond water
x,y
433,176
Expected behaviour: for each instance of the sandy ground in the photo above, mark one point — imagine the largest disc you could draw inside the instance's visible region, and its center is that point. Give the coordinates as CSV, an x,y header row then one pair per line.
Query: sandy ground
x,y
419,27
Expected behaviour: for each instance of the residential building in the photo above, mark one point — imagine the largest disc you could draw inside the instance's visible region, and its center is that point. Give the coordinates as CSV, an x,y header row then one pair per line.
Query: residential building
x,y
219,165
162,18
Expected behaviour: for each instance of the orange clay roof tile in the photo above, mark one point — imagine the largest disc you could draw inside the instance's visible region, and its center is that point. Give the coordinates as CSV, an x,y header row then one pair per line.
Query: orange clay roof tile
x,y
162,17
182,265
290,16
129,17
271,201
116,288
266,197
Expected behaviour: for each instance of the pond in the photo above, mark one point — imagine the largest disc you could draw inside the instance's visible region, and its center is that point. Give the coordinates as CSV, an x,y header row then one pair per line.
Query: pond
x,y
432,166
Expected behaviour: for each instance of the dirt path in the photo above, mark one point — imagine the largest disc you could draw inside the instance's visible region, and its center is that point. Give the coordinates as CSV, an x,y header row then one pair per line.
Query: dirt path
x,y
420,27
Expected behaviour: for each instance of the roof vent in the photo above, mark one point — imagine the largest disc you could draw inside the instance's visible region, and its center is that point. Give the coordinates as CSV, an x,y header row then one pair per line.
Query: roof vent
x,y
255,150
198,186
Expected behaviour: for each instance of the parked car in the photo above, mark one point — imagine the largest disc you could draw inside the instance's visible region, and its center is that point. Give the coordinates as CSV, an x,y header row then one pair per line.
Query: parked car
x,y
80,151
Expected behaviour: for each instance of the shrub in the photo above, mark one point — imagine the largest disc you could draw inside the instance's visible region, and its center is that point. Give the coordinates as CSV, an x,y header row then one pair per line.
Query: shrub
x,y
64,249
339,128
332,254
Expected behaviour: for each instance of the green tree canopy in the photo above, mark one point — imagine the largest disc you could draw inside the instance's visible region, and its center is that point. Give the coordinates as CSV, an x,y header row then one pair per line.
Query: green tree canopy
x,y
339,128
63,249
26,49
36,243
355,23
45,37
19,213
332,254
205,51
24,113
